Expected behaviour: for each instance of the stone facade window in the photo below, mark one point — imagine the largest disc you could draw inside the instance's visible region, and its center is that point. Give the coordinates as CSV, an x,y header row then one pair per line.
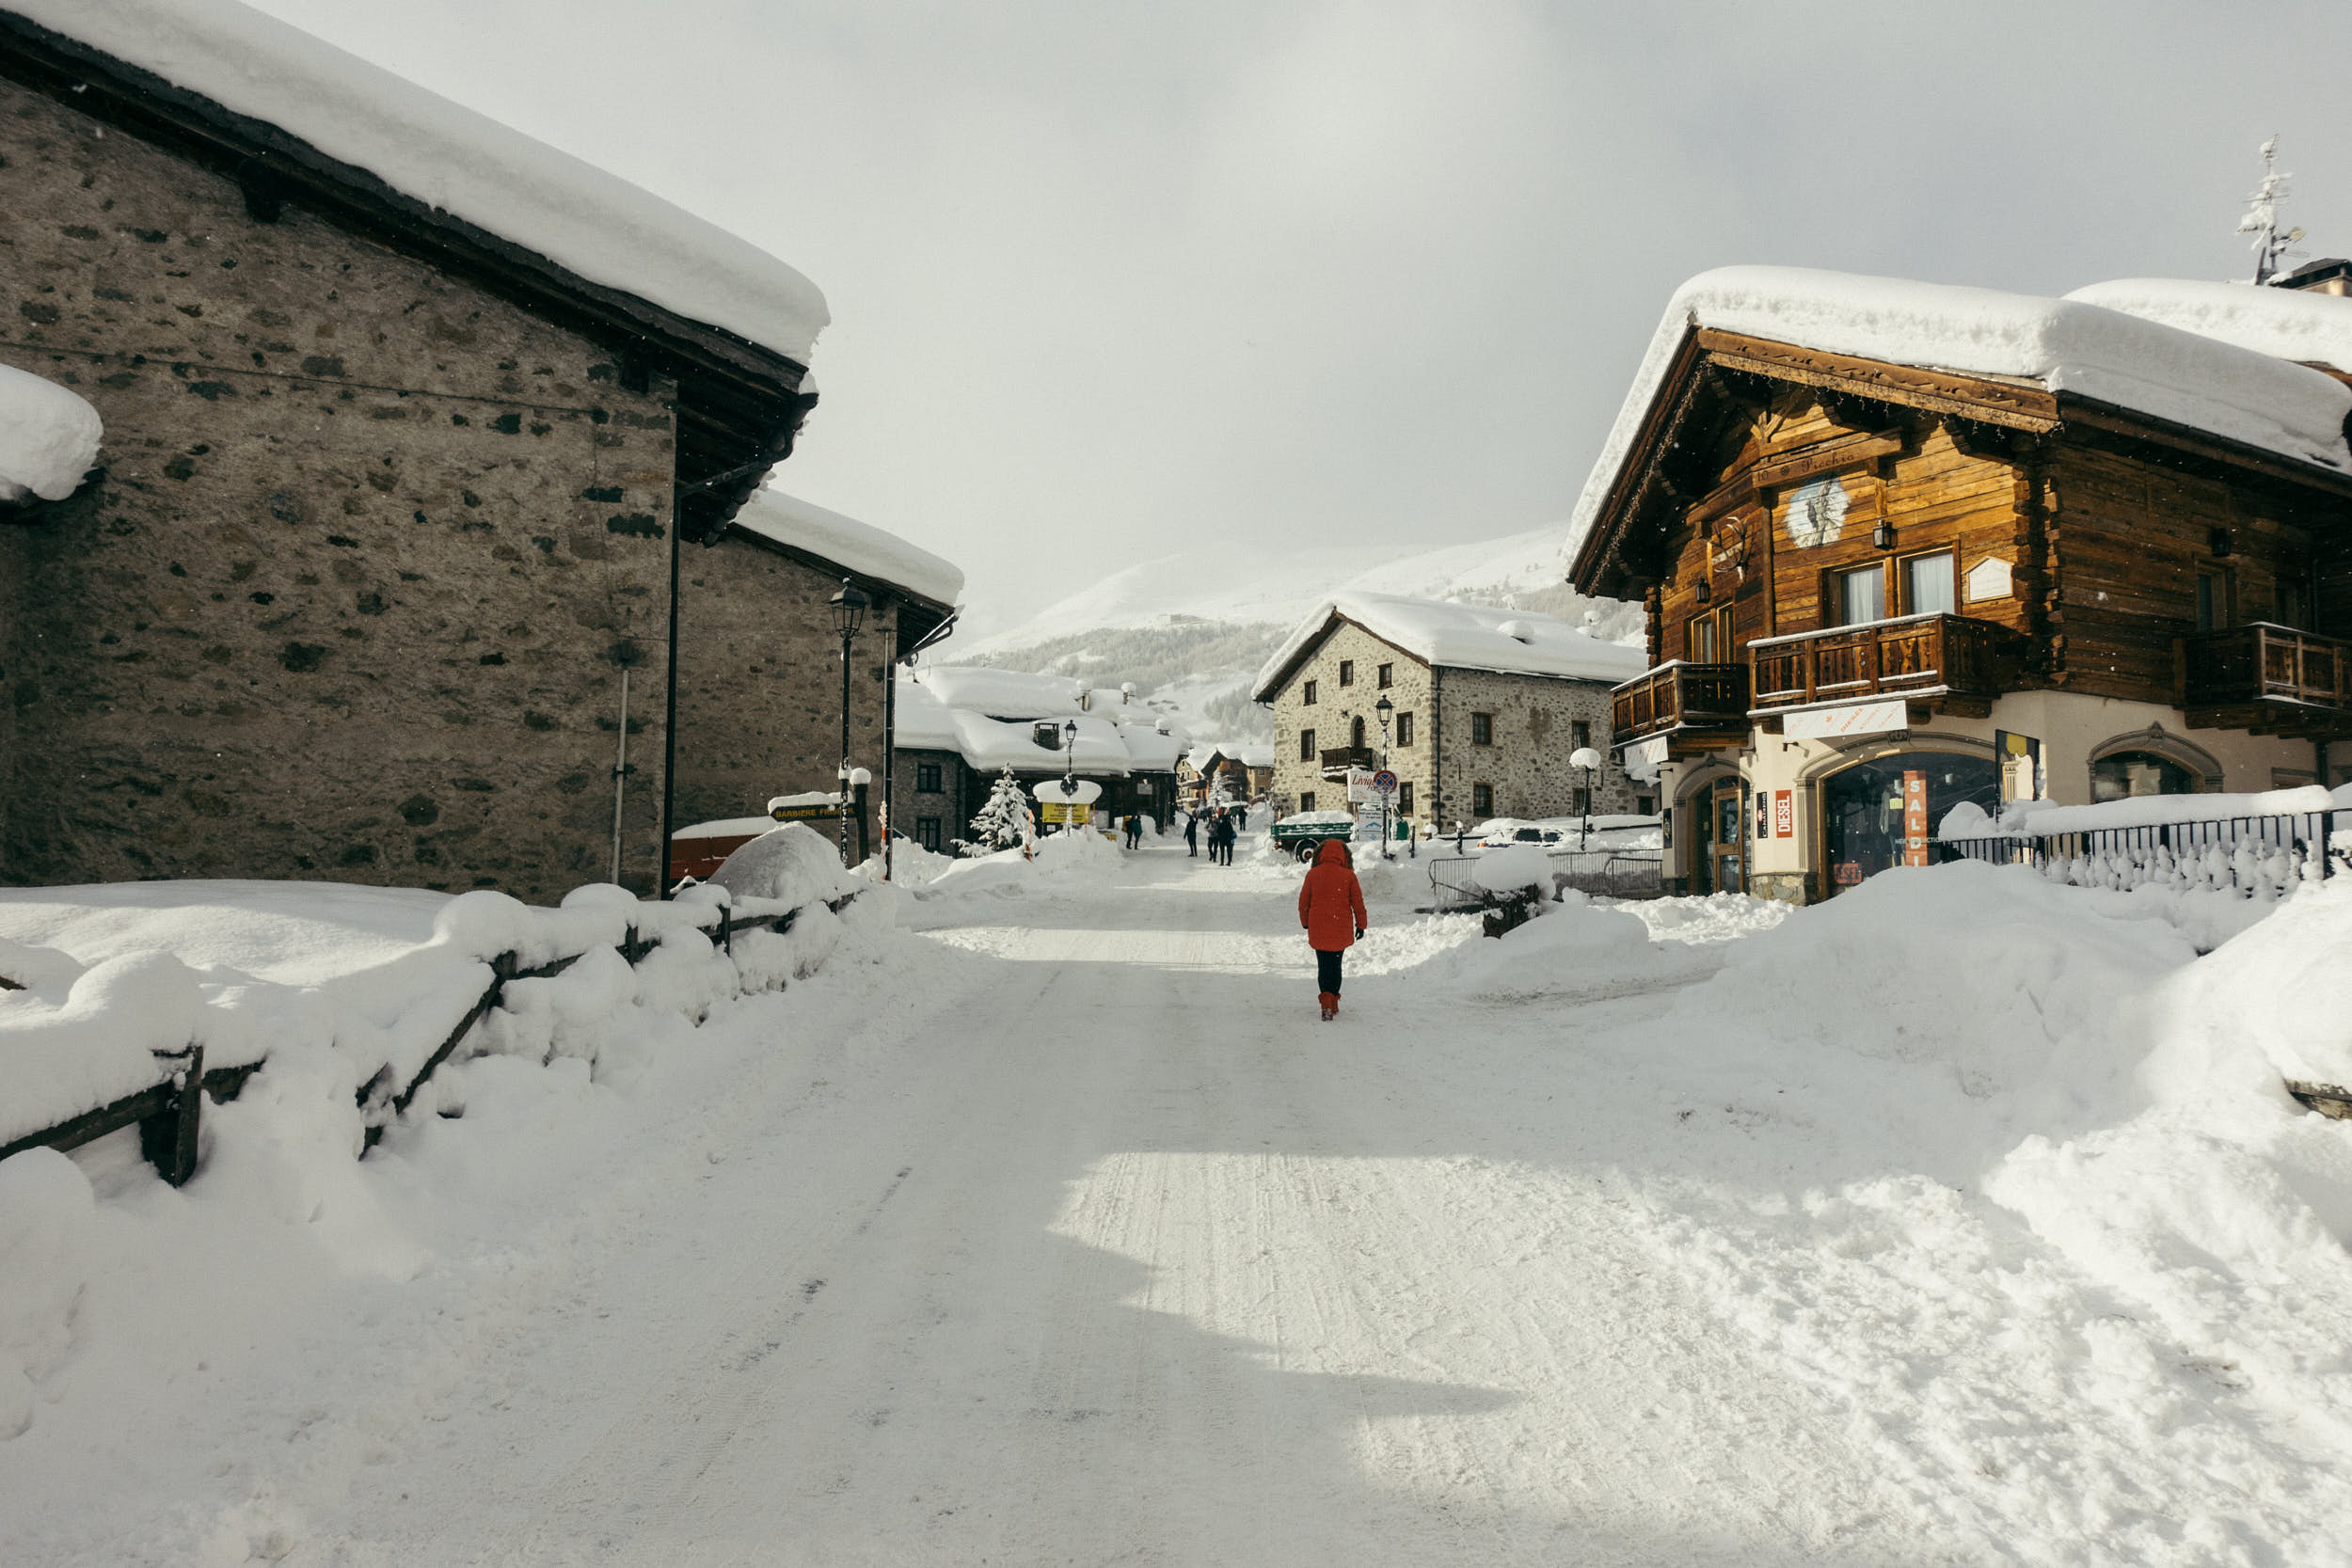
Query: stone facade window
x,y
1347,671
1580,734
927,832
1482,729
927,779
1403,726
1387,676
1481,799
1306,800
1307,748
1404,797
1307,695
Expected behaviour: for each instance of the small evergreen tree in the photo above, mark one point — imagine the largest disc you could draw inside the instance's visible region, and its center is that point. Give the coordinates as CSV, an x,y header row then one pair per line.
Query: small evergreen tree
x,y
1003,821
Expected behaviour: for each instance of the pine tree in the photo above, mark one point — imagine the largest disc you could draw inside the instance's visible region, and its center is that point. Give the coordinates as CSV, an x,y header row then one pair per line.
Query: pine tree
x,y
1003,821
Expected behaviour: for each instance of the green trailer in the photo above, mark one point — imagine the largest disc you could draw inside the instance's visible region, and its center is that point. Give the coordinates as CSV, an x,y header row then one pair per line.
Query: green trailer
x,y
1304,838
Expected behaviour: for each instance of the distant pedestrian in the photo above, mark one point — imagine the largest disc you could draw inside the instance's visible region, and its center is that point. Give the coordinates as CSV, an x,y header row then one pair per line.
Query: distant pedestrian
x,y
1134,830
1192,835
1331,907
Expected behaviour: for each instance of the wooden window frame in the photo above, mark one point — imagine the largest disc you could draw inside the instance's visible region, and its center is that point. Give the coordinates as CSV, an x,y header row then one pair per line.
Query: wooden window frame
x,y
1386,675
1900,579
1404,797
1306,746
1306,800
1347,671
1482,729
1307,694
1482,800
1833,594
1404,728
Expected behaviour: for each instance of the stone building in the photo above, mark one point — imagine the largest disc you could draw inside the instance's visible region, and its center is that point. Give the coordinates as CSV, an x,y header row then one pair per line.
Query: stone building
x,y
1485,707
407,417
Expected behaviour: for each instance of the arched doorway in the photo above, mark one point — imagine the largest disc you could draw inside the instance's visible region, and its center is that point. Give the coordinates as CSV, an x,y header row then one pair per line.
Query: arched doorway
x,y
1863,807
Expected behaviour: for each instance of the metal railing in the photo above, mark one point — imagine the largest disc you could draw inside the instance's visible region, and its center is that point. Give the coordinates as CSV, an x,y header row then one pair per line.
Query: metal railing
x,y
2255,857
1599,872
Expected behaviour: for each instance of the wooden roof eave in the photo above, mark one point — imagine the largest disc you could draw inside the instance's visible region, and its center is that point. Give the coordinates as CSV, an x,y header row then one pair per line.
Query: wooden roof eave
x,y
2202,450
738,401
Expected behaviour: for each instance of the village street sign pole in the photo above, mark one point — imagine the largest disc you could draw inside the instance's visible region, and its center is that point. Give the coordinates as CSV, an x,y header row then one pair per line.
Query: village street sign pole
x,y
848,608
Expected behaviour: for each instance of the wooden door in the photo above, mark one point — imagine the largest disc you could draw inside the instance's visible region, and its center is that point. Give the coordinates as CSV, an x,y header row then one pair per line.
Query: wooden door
x,y
1727,842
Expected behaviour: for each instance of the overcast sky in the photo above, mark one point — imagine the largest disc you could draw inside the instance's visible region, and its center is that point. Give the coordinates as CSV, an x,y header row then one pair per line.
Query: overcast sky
x,y
1110,280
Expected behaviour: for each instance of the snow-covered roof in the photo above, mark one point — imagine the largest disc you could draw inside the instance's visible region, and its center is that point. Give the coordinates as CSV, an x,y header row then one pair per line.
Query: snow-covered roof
x,y
594,224
1256,756
2065,345
852,546
1004,693
48,437
1461,635
937,716
2285,323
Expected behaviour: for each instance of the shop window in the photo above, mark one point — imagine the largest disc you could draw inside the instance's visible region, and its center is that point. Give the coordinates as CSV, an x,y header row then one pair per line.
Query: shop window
x,y
1405,798
1862,807
1482,729
1387,675
1403,729
1482,800
1860,595
1306,745
927,778
1306,800
1347,671
1307,695
927,832
1928,585
2124,774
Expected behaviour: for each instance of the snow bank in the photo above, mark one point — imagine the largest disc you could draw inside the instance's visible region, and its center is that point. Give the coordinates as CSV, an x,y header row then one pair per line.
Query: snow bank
x,y
2285,323
45,1211
587,221
790,865
48,437
854,546
2064,345
1512,867
1462,637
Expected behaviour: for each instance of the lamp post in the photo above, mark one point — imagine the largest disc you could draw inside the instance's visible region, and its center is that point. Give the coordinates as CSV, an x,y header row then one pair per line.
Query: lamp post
x,y
1589,760
848,611
1069,767
1387,710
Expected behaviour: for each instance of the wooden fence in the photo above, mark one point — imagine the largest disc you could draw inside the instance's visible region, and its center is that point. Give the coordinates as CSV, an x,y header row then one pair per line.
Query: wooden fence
x,y
168,1112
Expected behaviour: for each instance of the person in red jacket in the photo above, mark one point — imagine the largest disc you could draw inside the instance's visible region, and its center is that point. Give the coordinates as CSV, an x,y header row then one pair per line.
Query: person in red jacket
x,y
1331,906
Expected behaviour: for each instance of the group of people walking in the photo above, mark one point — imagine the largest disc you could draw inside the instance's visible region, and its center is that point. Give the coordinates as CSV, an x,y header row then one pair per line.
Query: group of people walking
x,y
1224,826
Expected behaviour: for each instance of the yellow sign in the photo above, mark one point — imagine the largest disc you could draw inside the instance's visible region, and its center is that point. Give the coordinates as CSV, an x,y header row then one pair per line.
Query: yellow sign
x,y
805,814
1076,815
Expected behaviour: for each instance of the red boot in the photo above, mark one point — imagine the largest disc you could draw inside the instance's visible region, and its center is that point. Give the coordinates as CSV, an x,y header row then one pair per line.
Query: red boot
x,y
1331,1005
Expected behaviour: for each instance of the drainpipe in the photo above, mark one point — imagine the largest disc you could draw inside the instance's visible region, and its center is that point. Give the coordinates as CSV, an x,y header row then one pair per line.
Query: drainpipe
x,y
1436,748
620,774
890,737
669,721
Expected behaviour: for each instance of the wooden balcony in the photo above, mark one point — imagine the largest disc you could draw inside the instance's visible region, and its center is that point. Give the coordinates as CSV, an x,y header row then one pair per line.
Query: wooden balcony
x,y
2266,679
1696,706
1946,662
1337,760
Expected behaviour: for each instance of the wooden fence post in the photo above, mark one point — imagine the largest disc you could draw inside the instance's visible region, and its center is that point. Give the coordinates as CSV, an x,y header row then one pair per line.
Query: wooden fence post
x,y
168,1138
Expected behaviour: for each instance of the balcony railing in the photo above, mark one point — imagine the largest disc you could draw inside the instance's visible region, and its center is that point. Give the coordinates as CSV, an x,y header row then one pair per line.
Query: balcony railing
x,y
1337,760
2266,663
1681,697
1917,655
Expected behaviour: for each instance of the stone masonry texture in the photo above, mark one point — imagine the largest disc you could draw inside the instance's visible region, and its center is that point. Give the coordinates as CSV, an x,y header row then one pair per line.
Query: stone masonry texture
x,y
372,548
1527,765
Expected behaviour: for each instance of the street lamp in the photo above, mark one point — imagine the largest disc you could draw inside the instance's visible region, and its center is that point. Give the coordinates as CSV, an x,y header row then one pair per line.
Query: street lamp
x,y
848,611
1387,710
1069,767
1589,760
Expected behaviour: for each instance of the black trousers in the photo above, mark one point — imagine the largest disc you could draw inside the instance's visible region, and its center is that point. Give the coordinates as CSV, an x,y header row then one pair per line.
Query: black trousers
x,y
1328,970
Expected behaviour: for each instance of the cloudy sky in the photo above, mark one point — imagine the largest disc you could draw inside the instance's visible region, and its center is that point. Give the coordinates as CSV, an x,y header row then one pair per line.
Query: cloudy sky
x,y
1112,281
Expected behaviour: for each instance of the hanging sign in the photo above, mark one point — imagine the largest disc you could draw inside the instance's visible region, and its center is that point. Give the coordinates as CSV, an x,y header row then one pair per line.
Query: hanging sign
x,y
1763,814
1822,723
1914,817
1647,754
1784,814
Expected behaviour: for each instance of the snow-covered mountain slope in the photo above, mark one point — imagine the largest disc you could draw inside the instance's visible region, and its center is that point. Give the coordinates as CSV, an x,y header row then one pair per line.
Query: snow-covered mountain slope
x,y
1190,630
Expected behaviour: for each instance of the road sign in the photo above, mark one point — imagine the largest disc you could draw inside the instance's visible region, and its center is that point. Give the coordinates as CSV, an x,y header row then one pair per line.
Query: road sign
x,y
1384,782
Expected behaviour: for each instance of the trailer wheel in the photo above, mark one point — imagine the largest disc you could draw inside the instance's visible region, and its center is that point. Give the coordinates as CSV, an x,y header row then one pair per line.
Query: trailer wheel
x,y
1306,851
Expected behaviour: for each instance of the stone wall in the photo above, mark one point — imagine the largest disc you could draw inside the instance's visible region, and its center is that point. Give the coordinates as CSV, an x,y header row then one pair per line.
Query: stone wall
x,y
955,804
372,548
1534,719
759,681
1527,765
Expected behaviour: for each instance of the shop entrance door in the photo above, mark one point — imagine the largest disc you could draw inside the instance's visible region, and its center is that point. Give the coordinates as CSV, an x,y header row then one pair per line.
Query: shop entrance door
x,y
1726,840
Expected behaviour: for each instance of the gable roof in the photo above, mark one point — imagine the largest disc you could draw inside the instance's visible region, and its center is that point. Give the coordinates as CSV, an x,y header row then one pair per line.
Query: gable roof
x,y
2011,359
2286,323
1456,636
935,715
292,120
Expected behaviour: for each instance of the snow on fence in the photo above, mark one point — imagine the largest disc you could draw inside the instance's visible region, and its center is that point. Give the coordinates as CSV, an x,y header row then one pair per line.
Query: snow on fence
x,y
169,1111
2253,856
1598,872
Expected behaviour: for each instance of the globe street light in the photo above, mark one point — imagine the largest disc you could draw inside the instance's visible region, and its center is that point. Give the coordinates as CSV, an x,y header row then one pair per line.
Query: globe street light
x,y
1069,767
848,611
1589,760
1387,710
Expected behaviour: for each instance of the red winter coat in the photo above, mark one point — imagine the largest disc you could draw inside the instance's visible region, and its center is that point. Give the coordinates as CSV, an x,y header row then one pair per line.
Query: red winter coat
x,y
1331,901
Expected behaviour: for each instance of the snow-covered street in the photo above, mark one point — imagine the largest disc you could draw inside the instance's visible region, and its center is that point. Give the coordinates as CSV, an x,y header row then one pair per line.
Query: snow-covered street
x,y
1056,1229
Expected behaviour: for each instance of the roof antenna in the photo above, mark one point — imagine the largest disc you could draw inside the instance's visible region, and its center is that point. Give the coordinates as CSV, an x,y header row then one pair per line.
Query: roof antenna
x,y
2261,216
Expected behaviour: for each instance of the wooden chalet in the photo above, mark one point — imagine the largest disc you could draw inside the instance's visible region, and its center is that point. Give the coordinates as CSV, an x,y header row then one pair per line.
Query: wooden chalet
x,y
2106,557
